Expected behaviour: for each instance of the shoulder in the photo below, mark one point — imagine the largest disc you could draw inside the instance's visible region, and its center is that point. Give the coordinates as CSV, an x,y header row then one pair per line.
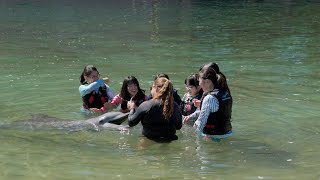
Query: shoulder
x,y
83,87
146,105
210,98
152,103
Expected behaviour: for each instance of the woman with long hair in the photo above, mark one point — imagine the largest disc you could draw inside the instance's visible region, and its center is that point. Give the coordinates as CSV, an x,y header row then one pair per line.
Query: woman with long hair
x,y
160,116
213,120
130,90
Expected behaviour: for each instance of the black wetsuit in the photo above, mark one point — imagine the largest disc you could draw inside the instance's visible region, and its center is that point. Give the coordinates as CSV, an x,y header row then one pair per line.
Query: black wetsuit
x,y
155,126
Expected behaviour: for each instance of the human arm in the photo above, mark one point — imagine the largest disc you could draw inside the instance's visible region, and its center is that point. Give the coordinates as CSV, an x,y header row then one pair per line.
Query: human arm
x,y
116,100
177,116
109,105
136,115
86,89
210,104
192,116
110,93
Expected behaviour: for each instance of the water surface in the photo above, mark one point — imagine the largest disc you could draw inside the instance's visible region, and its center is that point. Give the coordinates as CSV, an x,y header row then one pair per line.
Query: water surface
x,y
268,50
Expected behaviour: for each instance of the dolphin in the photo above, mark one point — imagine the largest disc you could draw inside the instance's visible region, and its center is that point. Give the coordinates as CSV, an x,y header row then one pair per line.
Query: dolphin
x,y
109,120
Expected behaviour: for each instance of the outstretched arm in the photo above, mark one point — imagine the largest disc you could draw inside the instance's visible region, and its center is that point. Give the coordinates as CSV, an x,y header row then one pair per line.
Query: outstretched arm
x,y
136,115
210,104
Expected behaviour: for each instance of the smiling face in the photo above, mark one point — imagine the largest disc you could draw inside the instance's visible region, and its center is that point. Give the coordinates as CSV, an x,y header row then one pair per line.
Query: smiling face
x,y
132,89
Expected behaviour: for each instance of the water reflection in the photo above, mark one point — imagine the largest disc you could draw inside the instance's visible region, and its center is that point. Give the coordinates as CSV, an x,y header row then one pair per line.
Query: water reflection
x,y
155,20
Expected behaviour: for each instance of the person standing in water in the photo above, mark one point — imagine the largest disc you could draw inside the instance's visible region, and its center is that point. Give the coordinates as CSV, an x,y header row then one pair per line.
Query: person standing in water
x,y
176,96
130,91
160,116
213,118
96,96
194,92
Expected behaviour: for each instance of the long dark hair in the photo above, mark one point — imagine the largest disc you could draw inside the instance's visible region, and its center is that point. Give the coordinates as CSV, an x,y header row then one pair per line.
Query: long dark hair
x,y
193,81
222,79
165,95
124,93
209,73
87,72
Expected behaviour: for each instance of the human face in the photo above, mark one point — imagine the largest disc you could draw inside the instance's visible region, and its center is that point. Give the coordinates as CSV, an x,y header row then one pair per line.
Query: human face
x,y
201,80
94,76
132,89
154,89
192,90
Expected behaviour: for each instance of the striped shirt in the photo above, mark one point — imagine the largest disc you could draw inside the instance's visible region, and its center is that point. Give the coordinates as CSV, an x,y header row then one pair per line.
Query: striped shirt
x,y
210,104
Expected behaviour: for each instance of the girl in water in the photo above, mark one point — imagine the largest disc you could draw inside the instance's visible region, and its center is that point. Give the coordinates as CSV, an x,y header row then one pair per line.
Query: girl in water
x,y
194,92
130,91
213,118
96,96
160,116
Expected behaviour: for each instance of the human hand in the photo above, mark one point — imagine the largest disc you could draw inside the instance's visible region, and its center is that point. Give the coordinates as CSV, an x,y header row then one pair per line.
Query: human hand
x,y
196,103
130,105
107,106
95,109
106,80
185,119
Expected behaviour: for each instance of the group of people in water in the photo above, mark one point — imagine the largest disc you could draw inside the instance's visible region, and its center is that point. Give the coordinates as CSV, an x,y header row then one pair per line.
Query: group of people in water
x,y
207,104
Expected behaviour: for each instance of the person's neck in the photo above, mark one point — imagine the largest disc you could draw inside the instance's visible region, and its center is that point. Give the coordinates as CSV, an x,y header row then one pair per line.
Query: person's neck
x,y
207,89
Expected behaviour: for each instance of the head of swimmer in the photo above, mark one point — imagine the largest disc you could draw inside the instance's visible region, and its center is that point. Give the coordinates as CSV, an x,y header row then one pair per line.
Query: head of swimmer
x,y
89,74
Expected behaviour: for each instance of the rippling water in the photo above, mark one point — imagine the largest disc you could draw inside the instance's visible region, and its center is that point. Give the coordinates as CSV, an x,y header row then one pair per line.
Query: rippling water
x,y
268,50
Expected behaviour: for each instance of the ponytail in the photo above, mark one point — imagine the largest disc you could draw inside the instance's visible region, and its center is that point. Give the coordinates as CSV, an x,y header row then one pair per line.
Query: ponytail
x,y
82,80
165,95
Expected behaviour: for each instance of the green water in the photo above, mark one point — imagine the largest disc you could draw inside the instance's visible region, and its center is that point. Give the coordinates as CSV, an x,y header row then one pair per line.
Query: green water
x,y
269,51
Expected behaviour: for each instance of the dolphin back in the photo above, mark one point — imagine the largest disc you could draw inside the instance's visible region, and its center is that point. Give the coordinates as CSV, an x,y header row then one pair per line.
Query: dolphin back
x,y
109,117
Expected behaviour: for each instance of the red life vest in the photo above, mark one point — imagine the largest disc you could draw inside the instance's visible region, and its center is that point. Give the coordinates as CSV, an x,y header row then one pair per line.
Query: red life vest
x,y
94,99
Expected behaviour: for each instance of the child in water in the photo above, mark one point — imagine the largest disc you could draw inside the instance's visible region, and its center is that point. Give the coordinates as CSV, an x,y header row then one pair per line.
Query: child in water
x,y
194,92
96,96
130,91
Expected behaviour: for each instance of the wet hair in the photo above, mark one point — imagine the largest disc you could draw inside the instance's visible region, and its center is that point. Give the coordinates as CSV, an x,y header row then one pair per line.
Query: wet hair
x,y
87,72
165,94
124,93
209,73
161,75
221,78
